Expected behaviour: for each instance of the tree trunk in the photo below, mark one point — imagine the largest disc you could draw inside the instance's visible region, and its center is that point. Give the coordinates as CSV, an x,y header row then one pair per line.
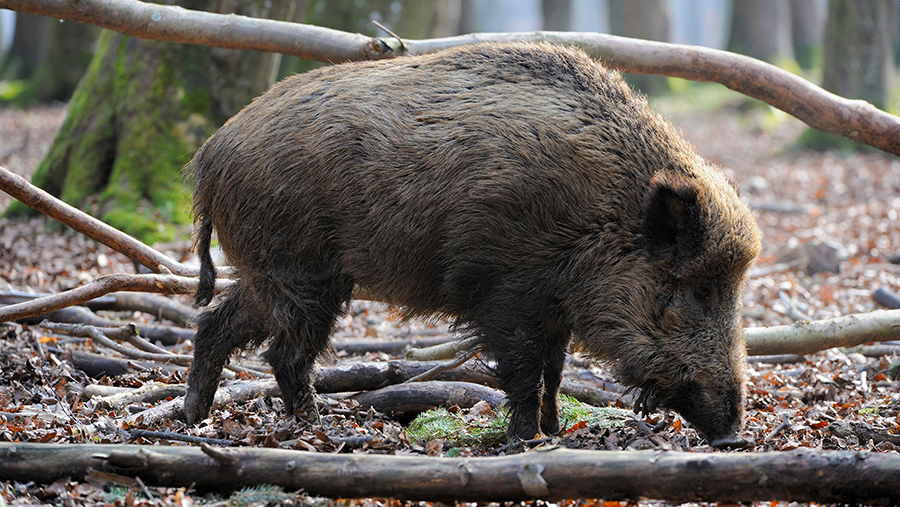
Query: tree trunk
x,y
557,14
138,114
857,61
807,26
48,57
762,29
858,51
642,19
30,45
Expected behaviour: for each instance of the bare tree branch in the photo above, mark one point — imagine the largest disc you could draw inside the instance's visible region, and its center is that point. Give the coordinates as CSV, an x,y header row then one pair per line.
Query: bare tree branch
x,y
823,110
807,337
800,475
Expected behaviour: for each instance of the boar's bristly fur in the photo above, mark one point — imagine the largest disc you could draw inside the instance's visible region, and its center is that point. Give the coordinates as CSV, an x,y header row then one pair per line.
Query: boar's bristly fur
x,y
523,190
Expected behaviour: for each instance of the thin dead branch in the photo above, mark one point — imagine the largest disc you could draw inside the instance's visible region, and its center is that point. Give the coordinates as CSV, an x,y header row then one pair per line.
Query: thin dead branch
x,y
34,197
443,351
421,396
125,333
167,284
150,392
449,365
151,304
169,435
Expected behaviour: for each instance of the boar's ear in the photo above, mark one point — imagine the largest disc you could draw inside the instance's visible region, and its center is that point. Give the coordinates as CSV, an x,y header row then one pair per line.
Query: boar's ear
x,y
673,222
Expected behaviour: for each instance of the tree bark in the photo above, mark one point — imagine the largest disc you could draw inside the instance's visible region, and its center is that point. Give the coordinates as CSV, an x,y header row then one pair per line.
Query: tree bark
x,y
30,45
557,14
800,475
857,60
822,110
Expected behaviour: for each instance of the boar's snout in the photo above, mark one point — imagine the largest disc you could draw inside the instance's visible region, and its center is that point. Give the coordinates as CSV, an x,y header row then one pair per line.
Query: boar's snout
x,y
715,411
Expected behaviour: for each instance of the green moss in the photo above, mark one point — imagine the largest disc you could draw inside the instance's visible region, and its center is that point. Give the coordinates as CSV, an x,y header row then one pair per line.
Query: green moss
x,y
196,101
439,423
453,427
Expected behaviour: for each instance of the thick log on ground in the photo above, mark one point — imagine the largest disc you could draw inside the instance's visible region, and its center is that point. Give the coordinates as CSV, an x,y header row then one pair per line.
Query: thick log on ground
x,y
801,475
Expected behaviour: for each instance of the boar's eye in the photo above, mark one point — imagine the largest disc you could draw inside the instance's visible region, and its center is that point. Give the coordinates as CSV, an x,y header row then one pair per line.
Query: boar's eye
x,y
702,293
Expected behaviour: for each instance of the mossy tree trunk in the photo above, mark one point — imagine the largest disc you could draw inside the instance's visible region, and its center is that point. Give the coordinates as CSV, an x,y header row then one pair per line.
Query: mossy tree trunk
x,y
139,113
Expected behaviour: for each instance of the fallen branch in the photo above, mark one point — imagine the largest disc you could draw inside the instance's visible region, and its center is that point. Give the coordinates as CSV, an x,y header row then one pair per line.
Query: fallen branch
x,y
151,304
167,335
371,376
97,366
34,197
799,475
594,396
812,336
105,336
167,284
143,349
818,108
168,435
150,392
863,432
421,396
461,358
396,347
442,351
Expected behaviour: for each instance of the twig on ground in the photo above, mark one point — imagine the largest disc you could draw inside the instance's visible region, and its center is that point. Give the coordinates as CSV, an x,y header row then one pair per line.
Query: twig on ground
x,y
449,365
169,435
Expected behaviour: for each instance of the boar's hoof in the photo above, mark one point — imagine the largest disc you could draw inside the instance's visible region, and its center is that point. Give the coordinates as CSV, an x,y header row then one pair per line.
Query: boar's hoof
x,y
523,428
305,402
193,413
730,442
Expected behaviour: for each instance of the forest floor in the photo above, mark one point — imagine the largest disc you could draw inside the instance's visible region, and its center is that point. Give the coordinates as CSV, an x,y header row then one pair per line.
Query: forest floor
x,y
834,210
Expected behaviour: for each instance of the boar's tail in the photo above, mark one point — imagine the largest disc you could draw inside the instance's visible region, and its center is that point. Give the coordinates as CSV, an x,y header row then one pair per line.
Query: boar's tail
x,y
207,285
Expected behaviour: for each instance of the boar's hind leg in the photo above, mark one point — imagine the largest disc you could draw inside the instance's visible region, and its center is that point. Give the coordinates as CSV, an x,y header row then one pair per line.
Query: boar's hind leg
x,y
220,331
304,312
529,370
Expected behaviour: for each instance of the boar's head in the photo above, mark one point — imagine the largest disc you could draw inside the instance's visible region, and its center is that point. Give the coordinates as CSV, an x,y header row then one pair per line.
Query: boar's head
x,y
666,317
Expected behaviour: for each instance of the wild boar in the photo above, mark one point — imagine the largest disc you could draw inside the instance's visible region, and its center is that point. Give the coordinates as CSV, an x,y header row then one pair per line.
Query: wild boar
x,y
523,190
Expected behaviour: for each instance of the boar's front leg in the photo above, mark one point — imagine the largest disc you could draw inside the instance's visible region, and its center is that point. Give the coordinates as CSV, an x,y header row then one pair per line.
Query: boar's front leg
x,y
220,331
529,369
553,368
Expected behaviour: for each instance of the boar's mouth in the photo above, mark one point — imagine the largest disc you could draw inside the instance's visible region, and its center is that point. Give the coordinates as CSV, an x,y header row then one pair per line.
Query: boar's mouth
x,y
647,402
